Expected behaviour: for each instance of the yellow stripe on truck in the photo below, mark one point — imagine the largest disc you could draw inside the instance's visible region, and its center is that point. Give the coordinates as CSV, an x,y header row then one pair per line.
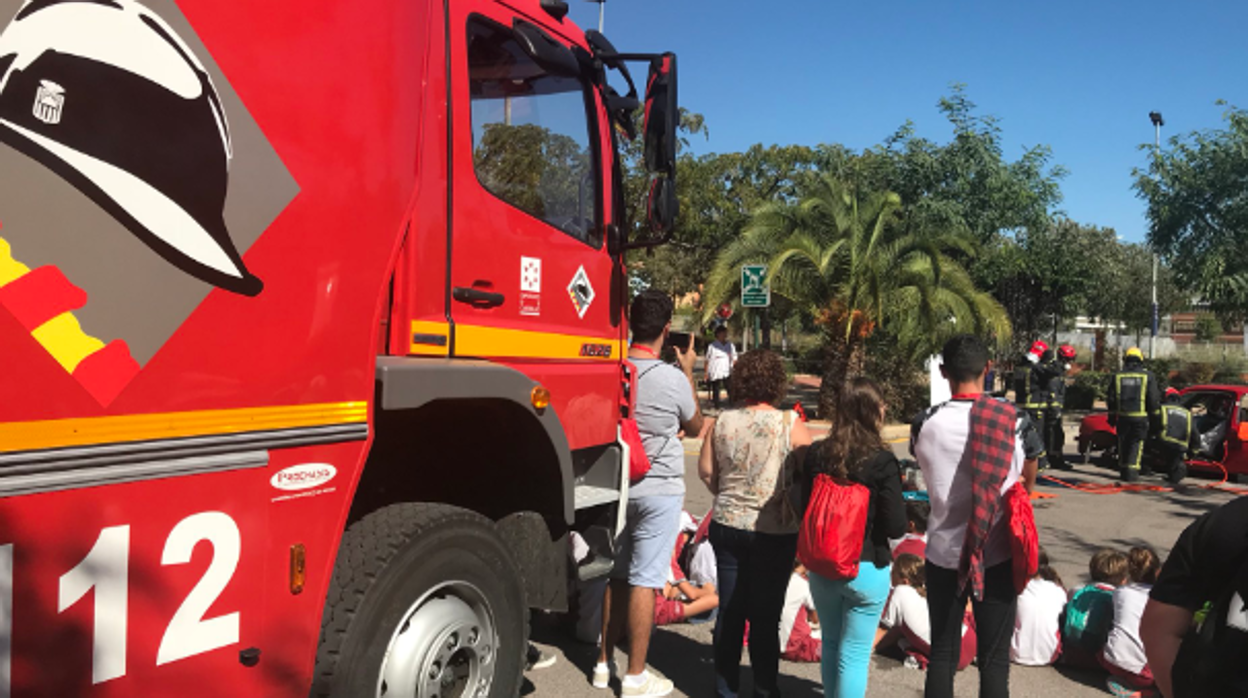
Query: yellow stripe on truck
x,y
497,342
479,341
60,433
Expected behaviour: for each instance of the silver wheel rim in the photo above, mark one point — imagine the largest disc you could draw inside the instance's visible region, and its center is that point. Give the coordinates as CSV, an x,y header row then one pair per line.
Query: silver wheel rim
x,y
444,647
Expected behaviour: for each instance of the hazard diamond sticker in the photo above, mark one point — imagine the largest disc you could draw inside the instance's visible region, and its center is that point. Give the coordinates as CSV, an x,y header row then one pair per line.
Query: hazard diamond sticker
x,y
581,292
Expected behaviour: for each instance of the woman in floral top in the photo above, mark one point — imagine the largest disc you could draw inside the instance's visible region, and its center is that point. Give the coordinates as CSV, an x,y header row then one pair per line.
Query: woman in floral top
x,y
748,463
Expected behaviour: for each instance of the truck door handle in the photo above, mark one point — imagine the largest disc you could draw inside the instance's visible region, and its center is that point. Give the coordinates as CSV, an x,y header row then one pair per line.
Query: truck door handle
x,y
477,298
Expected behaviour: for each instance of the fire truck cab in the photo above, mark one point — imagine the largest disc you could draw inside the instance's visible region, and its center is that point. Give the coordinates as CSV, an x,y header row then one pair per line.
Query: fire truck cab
x,y
312,321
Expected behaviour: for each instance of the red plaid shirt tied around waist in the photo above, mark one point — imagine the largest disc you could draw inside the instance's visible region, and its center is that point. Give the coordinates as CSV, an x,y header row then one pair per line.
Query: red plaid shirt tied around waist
x,y
993,425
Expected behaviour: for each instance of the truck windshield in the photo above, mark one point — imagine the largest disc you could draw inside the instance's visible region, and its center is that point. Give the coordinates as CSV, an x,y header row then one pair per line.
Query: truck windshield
x,y
532,134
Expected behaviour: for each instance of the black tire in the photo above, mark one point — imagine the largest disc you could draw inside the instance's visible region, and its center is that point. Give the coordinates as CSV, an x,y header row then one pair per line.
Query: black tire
x,y
390,560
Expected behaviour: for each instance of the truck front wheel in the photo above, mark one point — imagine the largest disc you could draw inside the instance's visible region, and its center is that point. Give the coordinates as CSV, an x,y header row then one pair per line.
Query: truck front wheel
x,y
425,602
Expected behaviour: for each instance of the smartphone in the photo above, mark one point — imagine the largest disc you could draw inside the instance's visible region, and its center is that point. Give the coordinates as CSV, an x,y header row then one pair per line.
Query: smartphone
x,y
679,340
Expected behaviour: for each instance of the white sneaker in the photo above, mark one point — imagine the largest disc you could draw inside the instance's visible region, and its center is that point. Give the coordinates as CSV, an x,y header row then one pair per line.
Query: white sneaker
x,y
652,687
603,674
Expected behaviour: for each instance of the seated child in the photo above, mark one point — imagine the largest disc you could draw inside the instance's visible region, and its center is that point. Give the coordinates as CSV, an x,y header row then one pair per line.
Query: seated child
x,y
1123,655
915,540
906,623
1090,611
683,599
799,642
1038,622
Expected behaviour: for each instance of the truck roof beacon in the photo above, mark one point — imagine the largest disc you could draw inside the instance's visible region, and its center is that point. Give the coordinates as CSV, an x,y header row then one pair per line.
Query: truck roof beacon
x,y
106,95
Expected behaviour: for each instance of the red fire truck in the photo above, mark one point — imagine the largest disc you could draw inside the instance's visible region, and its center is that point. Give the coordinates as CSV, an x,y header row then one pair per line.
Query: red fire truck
x,y
311,334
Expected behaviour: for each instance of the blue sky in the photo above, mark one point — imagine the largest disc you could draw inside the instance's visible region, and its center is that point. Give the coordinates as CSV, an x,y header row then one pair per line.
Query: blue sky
x,y
1080,77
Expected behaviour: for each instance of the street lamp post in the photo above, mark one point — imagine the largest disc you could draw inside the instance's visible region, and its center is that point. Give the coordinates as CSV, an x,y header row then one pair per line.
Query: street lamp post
x,y
1158,122
602,4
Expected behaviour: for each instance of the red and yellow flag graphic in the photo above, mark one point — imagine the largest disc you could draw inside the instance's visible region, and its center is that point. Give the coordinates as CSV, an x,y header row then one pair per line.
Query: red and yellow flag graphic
x,y
43,301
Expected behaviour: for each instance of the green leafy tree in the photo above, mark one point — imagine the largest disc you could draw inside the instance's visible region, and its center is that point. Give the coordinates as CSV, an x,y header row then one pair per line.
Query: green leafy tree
x,y
1208,328
1133,289
1046,275
543,172
966,184
840,253
1198,211
717,193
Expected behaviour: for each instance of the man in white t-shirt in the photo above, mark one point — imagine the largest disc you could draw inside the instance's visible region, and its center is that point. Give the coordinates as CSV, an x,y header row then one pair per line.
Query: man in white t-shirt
x,y
720,357
940,442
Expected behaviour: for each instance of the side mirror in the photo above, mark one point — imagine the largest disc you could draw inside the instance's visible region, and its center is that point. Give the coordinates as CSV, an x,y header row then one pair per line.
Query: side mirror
x,y
553,57
662,205
662,116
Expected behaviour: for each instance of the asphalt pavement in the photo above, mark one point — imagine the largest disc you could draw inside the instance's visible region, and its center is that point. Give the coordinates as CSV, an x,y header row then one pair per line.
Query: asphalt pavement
x,y
1073,526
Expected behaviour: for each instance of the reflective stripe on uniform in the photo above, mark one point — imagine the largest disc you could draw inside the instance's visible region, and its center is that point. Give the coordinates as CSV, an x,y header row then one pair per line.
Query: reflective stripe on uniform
x,y
1165,425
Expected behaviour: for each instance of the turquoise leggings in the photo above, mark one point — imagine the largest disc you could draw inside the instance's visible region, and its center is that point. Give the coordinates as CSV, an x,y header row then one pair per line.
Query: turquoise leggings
x,y
849,613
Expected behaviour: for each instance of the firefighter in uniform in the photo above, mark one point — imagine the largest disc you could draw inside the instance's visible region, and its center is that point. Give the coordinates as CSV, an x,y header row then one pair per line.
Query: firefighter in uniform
x,y
1031,389
1055,435
1134,400
1175,435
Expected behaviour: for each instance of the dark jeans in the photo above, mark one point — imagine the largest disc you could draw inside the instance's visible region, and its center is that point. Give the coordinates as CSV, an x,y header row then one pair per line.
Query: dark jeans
x,y
994,626
754,570
716,386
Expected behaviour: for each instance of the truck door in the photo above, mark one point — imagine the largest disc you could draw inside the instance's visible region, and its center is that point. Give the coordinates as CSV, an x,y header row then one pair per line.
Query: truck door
x,y
530,275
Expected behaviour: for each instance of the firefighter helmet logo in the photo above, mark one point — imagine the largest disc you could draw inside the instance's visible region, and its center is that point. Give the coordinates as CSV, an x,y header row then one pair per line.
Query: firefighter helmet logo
x,y
135,180
145,88
49,102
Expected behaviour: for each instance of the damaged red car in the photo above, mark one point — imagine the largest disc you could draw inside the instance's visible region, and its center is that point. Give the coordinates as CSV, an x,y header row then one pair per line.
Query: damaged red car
x,y
1219,423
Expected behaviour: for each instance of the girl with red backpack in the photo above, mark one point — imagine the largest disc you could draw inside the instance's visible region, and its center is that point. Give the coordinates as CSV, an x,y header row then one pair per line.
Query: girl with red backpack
x,y
854,507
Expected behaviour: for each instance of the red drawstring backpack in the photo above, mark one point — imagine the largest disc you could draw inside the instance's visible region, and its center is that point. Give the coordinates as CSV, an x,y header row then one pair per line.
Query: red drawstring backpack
x,y
829,542
638,461
1024,539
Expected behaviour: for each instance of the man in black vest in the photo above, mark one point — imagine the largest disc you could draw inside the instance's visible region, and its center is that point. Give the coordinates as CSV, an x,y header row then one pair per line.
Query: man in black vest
x,y
1031,389
1055,434
1134,400
1175,436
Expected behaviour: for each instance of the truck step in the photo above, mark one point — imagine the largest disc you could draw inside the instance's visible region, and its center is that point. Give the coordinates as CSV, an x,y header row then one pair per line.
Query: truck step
x,y
587,496
597,566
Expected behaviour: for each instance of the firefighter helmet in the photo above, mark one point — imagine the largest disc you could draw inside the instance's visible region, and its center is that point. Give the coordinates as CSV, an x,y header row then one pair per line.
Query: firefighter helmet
x,y
1066,353
1171,393
1135,353
1036,351
108,97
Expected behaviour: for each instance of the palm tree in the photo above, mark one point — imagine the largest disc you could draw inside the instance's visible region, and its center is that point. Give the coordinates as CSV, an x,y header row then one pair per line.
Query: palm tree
x,y
839,253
